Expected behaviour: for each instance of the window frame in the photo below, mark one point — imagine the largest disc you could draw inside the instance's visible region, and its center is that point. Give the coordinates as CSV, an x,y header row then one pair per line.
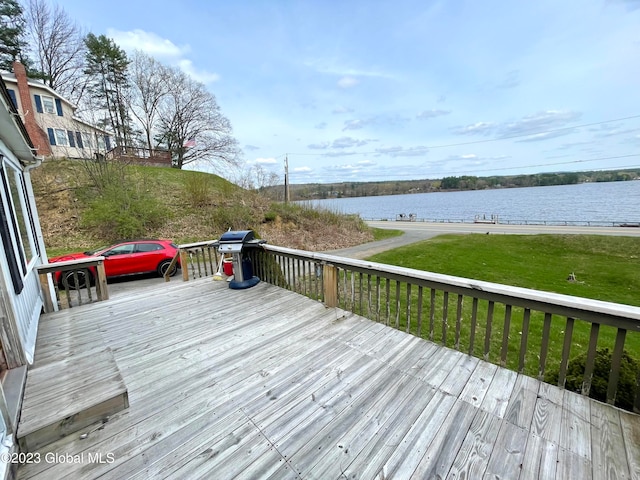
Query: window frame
x,y
45,104
62,139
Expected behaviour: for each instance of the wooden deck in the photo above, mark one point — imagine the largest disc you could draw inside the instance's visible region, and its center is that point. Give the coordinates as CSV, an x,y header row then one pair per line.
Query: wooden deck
x,y
265,383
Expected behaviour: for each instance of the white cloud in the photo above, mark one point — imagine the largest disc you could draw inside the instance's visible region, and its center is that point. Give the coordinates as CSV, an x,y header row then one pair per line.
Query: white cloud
x,y
187,67
302,169
432,113
319,146
478,128
348,142
265,161
162,49
148,42
342,109
348,82
354,124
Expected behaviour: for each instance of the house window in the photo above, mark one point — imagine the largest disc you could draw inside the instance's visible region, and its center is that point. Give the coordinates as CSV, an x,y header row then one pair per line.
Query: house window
x,y
16,224
101,145
87,141
48,104
61,137
23,212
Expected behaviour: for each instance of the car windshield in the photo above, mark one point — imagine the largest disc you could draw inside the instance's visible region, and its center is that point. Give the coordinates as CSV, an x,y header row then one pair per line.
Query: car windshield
x,y
93,252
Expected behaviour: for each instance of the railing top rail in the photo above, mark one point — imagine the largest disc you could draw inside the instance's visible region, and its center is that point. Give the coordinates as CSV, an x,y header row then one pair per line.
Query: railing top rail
x,y
599,311
206,243
81,262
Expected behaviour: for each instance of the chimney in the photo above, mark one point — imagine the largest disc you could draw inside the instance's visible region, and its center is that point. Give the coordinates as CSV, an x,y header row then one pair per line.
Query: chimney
x,y
38,136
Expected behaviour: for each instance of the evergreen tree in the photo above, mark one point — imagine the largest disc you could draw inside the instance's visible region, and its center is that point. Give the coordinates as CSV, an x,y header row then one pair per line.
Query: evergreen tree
x,y
12,31
107,68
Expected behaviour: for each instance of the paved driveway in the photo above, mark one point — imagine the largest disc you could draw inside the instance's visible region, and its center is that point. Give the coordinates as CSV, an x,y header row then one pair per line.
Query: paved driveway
x,y
418,231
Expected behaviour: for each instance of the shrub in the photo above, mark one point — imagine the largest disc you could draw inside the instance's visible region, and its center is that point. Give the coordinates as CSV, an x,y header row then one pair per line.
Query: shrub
x,y
123,211
629,372
197,189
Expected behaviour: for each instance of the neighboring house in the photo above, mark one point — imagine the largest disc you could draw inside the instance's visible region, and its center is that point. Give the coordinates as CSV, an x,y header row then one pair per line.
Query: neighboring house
x,y
22,251
50,121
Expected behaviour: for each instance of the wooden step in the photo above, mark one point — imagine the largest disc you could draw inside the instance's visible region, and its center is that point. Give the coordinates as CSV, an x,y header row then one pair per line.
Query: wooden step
x,y
66,396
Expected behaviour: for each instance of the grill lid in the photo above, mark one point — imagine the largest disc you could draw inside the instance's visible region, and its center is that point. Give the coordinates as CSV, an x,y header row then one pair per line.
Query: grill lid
x,y
238,236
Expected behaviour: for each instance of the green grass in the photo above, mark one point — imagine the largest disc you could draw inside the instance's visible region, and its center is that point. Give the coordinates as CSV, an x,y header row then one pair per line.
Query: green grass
x,y
384,233
606,268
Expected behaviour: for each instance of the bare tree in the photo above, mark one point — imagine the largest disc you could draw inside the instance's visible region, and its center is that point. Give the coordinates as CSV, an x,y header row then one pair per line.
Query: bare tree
x,y
149,87
192,126
255,177
58,47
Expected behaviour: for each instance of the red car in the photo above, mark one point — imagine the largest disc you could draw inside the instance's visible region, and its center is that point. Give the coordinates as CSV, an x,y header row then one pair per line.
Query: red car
x,y
124,258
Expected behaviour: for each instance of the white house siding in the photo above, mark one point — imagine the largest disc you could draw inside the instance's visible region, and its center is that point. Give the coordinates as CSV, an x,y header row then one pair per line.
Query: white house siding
x,y
68,136
22,297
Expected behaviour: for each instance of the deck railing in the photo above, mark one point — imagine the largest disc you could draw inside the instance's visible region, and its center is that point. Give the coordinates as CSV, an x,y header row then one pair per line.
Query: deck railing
x,y
197,260
76,279
529,331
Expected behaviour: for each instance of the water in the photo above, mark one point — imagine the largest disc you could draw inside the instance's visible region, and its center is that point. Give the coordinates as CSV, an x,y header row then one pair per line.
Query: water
x,y
588,203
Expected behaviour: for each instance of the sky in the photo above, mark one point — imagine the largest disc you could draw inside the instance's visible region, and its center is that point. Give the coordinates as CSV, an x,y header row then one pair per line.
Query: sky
x,y
370,90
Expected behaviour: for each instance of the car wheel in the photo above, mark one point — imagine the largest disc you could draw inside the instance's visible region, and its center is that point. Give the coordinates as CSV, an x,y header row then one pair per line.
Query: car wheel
x,y
68,280
164,266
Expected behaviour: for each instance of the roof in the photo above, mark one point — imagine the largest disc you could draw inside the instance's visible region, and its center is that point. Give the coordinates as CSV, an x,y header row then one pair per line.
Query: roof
x,y
12,130
11,77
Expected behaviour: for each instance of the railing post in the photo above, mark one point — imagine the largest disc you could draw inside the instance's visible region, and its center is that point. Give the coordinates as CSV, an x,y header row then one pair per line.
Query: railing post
x,y
101,282
330,276
183,264
46,295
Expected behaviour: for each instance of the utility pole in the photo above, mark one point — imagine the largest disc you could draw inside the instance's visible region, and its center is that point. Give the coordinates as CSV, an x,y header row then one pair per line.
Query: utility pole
x,y
286,179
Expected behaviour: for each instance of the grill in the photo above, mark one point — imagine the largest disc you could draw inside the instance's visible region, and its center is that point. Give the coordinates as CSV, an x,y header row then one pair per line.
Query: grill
x,y
235,243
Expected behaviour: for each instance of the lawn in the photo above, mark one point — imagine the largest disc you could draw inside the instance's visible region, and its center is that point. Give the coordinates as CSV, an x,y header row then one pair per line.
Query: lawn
x,y
599,267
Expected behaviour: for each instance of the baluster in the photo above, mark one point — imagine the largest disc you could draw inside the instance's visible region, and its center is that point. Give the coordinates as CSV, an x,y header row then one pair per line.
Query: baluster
x,y
377,298
458,321
368,295
420,311
505,336
388,292
487,338
304,278
353,292
445,316
616,360
78,289
432,314
524,339
197,251
360,292
566,351
474,322
193,268
398,304
544,346
345,274
408,327
591,359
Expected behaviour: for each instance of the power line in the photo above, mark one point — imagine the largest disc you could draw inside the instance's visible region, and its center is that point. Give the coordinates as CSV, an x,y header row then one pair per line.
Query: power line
x,y
474,142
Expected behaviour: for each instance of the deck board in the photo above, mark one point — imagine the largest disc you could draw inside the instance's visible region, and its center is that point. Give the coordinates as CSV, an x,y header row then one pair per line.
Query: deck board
x,y
264,383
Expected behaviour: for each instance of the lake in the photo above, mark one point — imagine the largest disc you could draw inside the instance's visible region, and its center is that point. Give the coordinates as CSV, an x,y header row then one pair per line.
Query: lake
x,y
603,203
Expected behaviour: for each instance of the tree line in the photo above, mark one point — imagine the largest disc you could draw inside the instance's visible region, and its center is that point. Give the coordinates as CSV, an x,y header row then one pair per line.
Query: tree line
x,y
465,182
143,102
